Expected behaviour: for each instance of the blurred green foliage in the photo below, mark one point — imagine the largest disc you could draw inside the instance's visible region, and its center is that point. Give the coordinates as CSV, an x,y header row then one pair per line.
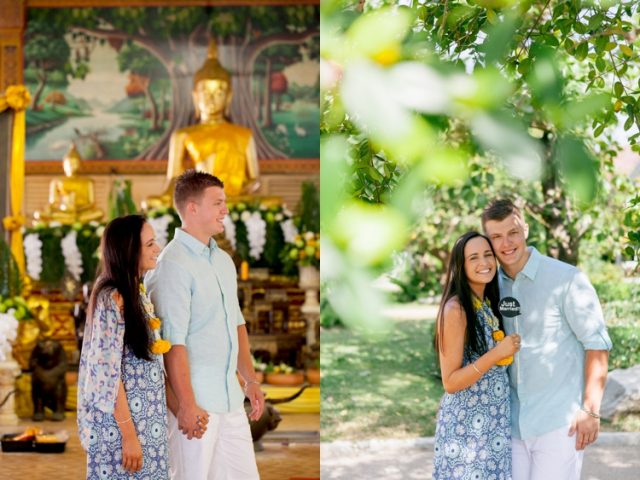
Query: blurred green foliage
x,y
308,215
120,201
10,279
428,111
626,346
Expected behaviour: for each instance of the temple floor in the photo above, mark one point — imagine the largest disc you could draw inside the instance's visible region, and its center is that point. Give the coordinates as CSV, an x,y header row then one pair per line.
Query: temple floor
x,y
291,451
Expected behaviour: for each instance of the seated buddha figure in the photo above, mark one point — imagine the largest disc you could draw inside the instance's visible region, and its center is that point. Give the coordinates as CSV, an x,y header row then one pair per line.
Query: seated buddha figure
x,y
214,145
71,198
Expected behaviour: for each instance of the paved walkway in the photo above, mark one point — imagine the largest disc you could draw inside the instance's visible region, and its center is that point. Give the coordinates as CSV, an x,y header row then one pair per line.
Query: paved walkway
x,y
616,456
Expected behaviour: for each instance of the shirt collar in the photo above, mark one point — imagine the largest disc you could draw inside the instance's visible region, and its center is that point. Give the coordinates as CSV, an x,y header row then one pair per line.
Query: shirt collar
x,y
530,268
195,245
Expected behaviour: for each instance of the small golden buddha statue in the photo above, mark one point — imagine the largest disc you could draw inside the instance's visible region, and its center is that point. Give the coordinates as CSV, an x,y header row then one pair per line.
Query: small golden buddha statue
x,y
214,145
71,198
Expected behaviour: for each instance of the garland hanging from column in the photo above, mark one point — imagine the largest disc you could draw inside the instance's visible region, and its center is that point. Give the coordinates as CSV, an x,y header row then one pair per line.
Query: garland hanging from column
x,y
17,98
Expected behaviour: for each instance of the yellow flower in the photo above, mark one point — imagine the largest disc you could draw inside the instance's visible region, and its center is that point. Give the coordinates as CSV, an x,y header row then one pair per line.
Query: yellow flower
x,y
154,323
497,335
505,361
143,290
13,223
17,97
388,56
160,346
477,304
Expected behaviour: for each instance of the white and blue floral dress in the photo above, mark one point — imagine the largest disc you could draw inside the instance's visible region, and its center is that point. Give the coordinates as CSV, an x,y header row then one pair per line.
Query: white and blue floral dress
x,y
473,433
104,361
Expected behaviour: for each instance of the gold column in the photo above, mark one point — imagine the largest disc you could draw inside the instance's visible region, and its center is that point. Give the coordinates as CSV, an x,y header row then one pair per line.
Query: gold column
x,y
12,22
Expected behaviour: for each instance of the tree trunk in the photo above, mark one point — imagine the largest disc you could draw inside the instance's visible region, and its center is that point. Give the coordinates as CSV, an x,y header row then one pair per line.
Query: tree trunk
x,y
42,80
562,238
154,106
181,115
235,59
268,118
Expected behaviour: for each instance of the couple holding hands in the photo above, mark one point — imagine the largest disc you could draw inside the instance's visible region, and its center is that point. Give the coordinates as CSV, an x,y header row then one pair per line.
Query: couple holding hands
x,y
142,416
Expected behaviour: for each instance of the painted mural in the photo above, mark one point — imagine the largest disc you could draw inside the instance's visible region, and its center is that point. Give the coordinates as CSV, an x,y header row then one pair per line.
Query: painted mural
x,y
117,81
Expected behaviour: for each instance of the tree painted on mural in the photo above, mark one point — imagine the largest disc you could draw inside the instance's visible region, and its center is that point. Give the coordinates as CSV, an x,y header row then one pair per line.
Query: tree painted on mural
x,y
49,55
144,69
270,66
167,33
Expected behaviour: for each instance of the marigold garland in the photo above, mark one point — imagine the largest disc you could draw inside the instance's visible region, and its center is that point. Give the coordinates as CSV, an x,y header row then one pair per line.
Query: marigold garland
x,y
159,346
496,334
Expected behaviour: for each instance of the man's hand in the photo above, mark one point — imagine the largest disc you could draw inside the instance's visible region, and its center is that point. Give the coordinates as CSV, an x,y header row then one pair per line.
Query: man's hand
x,y
586,429
256,397
192,421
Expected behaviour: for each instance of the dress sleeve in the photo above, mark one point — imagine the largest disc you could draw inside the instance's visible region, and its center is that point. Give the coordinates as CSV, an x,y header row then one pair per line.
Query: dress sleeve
x,y
102,354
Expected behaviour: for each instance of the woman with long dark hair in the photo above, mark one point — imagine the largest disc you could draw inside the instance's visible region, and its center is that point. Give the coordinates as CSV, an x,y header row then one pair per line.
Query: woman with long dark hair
x,y
122,413
473,433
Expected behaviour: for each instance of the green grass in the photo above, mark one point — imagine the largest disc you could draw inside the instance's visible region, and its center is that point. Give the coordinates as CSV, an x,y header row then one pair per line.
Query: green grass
x,y
379,387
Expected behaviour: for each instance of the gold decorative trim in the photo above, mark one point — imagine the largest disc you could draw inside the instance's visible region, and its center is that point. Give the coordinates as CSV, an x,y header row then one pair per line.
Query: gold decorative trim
x,y
161,3
12,14
152,167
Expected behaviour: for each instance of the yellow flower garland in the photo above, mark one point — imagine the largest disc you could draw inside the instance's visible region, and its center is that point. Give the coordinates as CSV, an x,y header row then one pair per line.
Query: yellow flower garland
x,y
159,346
17,98
497,334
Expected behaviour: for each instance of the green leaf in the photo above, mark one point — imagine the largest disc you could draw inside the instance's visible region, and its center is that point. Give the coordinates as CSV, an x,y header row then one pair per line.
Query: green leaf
x,y
596,21
600,43
569,45
609,46
626,50
598,131
525,66
600,64
582,51
618,89
500,38
580,28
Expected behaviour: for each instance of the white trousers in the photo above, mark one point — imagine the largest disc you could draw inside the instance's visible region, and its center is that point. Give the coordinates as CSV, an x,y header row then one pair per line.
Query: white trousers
x,y
225,451
548,457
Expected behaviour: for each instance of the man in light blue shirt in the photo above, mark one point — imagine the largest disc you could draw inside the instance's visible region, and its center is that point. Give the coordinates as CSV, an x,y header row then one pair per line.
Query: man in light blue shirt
x,y
194,290
558,377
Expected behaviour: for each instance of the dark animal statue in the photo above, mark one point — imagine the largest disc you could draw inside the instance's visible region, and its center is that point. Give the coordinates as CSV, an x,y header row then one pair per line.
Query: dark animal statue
x,y
48,365
270,417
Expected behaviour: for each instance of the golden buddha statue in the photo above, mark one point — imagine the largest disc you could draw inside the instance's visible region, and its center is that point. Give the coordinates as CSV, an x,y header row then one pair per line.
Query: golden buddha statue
x,y
214,145
71,198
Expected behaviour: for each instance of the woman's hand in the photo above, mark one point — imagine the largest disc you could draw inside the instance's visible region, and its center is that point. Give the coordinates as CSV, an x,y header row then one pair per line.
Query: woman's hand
x,y
131,453
507,346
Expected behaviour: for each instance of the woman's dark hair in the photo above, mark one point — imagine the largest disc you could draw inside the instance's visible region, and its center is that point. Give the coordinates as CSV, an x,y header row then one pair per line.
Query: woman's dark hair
x,y
457,285
121,247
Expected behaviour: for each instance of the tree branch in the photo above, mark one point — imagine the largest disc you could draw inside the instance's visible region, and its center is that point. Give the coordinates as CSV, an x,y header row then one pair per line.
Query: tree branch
x,y
286,38
119,34
535,24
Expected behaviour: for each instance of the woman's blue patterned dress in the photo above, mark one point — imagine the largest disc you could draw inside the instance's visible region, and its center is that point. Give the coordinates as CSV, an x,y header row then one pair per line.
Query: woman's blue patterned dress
x,y
473,433
104,361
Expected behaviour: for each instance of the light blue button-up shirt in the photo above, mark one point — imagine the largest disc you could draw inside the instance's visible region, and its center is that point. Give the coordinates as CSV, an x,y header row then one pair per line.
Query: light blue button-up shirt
x,y
195,294
560,318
